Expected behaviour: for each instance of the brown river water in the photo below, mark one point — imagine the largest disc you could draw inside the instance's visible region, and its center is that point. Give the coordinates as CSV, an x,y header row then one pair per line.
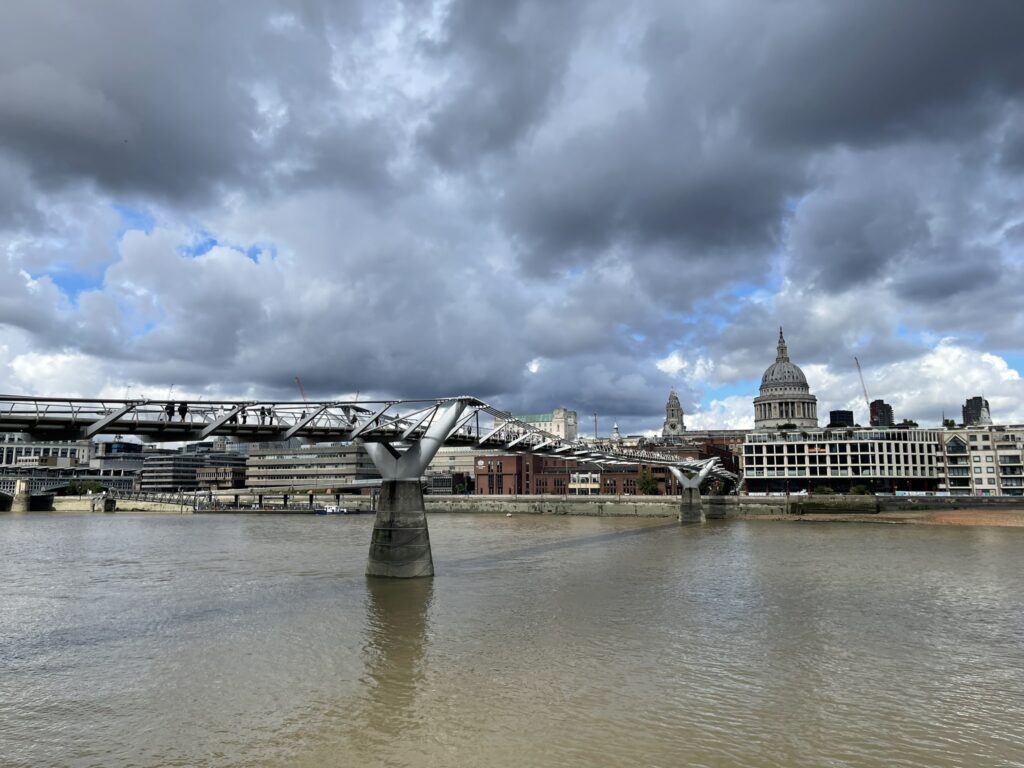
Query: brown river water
x,y
257,641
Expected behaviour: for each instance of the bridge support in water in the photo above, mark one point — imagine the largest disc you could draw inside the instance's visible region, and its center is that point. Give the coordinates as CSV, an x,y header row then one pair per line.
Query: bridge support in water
x,y
21,501
691,507
400,547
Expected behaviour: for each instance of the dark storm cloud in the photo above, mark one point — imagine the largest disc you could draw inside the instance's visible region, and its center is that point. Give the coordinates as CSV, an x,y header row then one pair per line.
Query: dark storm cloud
x,y
938,277
638,185
168,100
849,236
869,72
528,201
505,62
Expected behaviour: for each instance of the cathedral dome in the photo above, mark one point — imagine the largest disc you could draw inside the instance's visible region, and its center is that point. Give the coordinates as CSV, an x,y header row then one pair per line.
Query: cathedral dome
x,y
785,399
783,372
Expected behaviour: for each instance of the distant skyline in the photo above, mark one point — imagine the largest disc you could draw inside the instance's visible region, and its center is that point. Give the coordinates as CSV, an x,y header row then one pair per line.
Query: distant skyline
x,y
578,204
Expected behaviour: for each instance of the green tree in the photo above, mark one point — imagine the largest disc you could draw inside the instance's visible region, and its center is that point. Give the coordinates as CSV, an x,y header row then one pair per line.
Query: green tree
x,y
646,485
82,487
949,424
859,490
907,423
823,490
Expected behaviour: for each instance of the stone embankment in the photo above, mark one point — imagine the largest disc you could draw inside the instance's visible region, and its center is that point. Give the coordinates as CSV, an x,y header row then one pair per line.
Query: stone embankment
x,y
715,507
637,506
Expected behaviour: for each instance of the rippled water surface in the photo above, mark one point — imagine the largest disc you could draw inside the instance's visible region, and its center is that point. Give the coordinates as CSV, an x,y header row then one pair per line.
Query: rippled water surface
x,y
238,641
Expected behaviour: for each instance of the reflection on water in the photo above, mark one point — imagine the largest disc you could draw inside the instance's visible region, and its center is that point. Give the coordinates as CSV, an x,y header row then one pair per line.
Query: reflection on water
x,y
257,641
394,652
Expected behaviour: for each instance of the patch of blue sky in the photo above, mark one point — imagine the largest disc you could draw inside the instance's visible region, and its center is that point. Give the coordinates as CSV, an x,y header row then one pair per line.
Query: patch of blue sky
x,y
745,289
144,328
574,272
257,250
1013,359
742,388
73,282
133,219
202,244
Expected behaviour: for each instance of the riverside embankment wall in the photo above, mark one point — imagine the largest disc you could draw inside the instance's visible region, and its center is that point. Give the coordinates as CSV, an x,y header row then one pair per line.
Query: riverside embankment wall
x,y
635,506
592,506
609,506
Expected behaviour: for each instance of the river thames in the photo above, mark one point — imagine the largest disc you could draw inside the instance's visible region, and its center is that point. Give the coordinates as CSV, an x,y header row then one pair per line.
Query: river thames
x,y
257,641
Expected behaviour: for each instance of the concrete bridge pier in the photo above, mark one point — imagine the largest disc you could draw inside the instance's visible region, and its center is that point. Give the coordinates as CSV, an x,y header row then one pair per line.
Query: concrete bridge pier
x,y
691,507
400,545
21,502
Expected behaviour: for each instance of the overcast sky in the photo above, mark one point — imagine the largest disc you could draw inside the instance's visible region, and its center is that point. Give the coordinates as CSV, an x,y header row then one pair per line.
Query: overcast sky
x,y
542,204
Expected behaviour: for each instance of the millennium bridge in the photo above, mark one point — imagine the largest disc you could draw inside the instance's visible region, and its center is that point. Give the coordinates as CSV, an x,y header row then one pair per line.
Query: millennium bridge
x,y
400,436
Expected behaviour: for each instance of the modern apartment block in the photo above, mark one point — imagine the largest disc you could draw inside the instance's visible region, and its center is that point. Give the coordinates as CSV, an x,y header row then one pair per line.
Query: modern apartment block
x,y
170,472
966,461
985,461
976,413
840,418
880,460
880,414
19,451
316,467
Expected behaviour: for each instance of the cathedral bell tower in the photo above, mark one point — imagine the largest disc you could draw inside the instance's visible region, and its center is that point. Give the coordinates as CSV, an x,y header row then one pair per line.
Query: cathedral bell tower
x,y
674,426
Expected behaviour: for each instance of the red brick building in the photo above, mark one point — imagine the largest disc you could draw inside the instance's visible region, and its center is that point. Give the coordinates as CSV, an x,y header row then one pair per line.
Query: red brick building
x,y
525,474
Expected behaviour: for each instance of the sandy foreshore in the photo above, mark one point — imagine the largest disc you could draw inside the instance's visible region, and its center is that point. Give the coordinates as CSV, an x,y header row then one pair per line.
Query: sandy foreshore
x,y
1010,518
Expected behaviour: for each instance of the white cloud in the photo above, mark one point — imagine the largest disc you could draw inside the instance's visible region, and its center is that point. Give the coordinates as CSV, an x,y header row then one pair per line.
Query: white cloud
x,y
672,364
699,370
733,412
925,387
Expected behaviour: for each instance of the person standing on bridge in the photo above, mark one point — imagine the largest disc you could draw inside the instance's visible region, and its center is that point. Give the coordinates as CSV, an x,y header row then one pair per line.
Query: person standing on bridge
x,y
244,415
169,410
183,411
263,415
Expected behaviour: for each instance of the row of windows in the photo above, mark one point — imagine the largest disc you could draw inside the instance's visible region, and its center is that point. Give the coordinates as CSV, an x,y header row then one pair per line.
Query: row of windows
x,y
841,472
13,453
878,448
843,436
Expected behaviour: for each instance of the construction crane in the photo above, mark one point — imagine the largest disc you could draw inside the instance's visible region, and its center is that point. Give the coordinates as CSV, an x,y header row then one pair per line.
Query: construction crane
x,y
301,390
863,388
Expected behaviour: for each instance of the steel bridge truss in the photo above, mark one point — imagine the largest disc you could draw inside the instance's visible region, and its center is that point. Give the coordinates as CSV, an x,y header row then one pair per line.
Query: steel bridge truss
x,y
401,436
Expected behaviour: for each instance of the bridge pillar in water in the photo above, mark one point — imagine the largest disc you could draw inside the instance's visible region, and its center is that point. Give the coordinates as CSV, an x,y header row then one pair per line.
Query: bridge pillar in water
x,y
22,500
691,507
400,545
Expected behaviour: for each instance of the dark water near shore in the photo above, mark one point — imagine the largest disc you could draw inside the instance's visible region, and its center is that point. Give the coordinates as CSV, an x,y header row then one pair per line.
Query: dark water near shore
x,y
252,641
